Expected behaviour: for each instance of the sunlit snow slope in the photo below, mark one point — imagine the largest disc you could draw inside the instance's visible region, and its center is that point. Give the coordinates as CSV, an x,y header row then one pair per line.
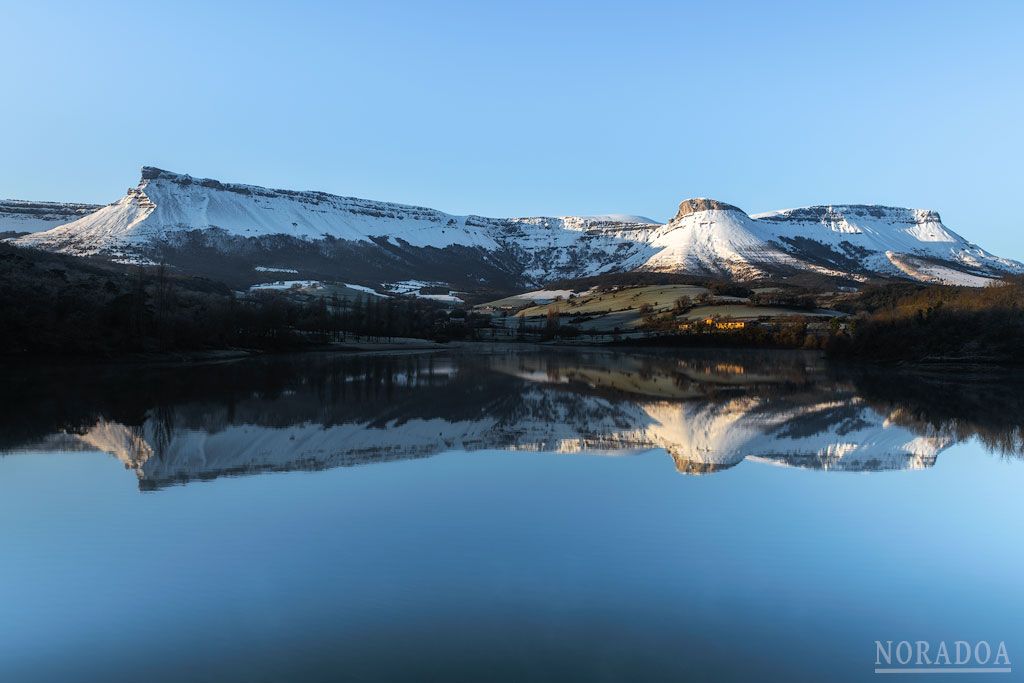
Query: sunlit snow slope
x,y
21,216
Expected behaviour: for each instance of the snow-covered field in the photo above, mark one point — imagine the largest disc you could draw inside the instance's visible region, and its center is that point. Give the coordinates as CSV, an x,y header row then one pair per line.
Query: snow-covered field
x,y
266,269
926,271
536,297
949,276
410,286
365,290
449,298
415,287
287,284
545,295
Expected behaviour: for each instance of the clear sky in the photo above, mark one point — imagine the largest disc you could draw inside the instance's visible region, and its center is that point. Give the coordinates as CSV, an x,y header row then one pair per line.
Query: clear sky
x,y
517,108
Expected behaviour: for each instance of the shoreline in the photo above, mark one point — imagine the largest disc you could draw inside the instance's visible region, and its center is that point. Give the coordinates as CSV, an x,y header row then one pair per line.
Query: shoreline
x,y
416,346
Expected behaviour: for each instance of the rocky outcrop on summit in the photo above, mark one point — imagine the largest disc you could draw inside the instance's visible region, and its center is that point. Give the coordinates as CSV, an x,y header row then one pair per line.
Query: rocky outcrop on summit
x,y
227,231
699,204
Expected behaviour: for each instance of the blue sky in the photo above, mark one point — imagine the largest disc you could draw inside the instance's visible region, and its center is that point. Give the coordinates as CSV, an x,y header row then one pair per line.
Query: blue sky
x,y
528,108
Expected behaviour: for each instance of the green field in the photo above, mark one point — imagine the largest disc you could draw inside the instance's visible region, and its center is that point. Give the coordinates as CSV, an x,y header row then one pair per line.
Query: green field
x,y
660,297
608,311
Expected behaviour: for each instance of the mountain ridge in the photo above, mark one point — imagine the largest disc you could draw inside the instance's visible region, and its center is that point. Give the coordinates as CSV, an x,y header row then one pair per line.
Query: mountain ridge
x,y
188,222
20,215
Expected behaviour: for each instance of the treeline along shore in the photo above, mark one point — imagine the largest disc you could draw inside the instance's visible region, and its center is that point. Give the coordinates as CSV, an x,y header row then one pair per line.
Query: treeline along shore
x,y
59,305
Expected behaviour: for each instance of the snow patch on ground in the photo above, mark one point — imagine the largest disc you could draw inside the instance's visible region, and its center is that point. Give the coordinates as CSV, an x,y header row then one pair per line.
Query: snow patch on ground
x,y
267,269
546,295
925,271
949,276
287,284
367,290
414,287
410,286
446,298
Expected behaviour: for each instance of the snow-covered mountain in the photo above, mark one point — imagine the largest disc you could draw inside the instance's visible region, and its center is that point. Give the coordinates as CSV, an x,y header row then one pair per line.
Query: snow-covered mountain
x,y
21,216
851,240
231,230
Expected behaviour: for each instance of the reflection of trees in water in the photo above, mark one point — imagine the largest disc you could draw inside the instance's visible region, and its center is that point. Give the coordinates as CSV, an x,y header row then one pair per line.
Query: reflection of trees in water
x,y
987,405
383,391
282,391
162,417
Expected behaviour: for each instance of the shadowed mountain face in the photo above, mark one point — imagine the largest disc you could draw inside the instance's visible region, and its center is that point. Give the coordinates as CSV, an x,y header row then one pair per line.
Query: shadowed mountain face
x,y
708,410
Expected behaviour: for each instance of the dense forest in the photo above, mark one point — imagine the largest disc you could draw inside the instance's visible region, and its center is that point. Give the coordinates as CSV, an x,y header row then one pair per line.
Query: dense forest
x,y
55,304
51,304
913,322
891,322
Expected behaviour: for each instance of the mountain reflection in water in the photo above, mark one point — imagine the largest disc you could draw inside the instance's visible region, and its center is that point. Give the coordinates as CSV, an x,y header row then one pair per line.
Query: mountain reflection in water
x,y
708,410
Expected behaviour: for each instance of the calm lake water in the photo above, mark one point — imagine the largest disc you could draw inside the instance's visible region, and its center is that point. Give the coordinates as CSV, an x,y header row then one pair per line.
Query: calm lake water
x,y
511,515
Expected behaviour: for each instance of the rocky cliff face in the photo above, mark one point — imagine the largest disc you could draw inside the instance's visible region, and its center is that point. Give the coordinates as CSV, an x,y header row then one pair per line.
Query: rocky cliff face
x,y
202,224
700,205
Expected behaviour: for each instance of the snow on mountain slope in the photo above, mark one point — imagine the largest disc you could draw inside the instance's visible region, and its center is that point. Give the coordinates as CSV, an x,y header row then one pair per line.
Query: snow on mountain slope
x,y
22,216
874,234
707,236
340,237
572,246
183,220
165,203
621,218
716,238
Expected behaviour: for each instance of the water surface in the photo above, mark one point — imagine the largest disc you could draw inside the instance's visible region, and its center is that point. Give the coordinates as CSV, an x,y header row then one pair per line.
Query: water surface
x,y
507,515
